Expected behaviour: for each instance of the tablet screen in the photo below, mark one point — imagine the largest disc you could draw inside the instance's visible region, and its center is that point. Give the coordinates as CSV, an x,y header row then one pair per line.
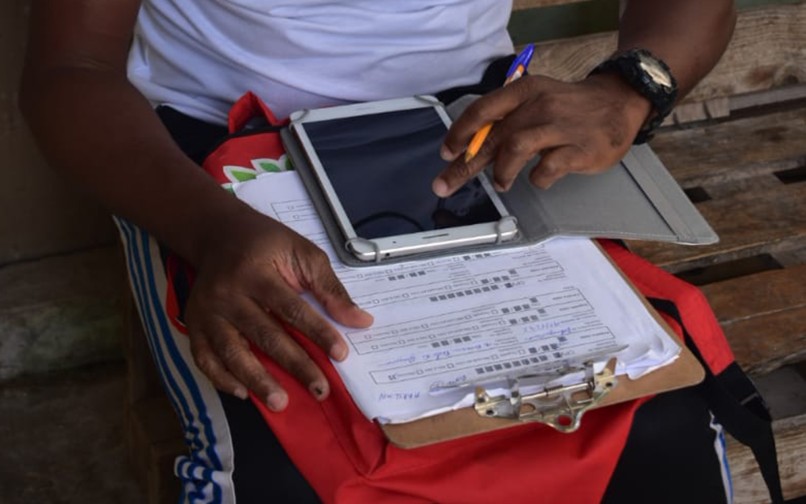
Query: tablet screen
x,y
381,166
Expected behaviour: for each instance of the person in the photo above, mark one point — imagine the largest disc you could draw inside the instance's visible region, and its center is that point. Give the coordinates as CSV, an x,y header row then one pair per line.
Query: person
x,y
124,95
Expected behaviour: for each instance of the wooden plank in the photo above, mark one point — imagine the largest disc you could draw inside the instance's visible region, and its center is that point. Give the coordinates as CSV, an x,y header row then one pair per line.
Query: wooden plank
x,y
769,97
699,111
765,293
790,257
153,435
762,315
163,486
530,4
60,312
768,50
572,59
748,224
739,164
740,148
739,167
142,378
154,439
135,437
790,439
765,343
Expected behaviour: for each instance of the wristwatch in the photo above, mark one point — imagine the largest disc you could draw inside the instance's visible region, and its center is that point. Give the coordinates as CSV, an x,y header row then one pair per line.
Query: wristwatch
x,y
650,77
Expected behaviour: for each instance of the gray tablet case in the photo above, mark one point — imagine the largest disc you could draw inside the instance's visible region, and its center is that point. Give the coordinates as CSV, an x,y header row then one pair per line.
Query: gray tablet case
x,y
635,200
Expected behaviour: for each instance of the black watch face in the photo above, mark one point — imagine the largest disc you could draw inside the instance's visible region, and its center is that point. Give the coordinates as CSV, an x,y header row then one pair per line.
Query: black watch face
x,y
658,75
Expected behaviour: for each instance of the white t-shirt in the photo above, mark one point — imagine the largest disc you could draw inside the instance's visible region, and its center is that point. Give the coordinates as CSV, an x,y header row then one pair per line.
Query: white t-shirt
x,y
199,56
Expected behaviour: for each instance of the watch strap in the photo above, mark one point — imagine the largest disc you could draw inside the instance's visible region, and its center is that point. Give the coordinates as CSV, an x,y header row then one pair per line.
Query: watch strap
x,y
661,96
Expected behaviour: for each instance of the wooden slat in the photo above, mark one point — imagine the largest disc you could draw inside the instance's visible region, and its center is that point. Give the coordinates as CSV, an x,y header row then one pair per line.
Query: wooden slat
x,y
720,153
748,224
764,293
738,163
763,317
768,50
153,435
790,439
154,439
769,97
765,343
59,312
142,379
572,59
529,4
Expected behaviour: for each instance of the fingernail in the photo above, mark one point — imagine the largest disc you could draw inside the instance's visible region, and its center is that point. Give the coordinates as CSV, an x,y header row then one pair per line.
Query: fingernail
x,y
276,401
318,390
440,188
338,351
446,154
359,309
363,313
498,187
240,393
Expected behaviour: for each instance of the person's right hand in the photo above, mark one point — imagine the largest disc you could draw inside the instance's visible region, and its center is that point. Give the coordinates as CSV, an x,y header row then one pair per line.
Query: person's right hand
x,y
248,281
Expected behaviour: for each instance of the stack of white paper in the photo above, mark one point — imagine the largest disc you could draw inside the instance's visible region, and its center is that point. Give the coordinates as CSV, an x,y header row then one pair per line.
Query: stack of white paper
x,y
442,325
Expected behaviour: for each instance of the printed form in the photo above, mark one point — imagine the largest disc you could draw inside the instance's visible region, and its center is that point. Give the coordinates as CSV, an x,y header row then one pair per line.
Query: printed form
x,y
444,325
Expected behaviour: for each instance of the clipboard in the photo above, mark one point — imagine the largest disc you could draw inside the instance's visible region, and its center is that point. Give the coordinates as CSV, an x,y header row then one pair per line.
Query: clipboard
x,y
650,205
685,371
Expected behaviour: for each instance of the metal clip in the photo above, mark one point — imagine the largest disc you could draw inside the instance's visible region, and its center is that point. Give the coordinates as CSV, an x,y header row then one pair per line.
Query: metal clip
x,y
560,406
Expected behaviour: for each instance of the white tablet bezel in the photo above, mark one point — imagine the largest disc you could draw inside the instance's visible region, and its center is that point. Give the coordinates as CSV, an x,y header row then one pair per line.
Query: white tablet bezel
x,y
399,245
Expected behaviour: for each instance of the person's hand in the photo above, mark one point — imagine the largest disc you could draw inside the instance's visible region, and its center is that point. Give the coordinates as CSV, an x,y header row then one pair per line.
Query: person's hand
x,y
581,127
248,283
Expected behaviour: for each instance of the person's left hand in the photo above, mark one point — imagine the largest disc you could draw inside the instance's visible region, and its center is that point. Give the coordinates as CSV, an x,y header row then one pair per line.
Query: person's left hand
x,y
581,127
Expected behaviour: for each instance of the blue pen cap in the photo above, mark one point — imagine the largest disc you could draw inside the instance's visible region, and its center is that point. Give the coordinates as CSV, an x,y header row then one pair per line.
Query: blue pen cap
x,y
523,58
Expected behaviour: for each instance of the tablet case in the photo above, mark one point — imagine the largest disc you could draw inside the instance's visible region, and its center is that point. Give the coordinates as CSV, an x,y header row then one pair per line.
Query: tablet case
x,y
636,199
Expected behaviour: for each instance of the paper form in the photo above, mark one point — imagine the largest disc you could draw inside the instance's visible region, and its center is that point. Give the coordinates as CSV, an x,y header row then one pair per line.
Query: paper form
x,y
445,324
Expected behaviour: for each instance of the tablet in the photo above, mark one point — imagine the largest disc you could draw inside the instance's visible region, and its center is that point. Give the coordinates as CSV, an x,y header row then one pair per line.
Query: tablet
x,y
375,163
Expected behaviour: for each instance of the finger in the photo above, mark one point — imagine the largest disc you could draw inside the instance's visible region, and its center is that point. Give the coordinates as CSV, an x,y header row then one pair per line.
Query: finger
x,y
264,331
460,171
330,292
518,148
234,352
292,309
209,364
489,108
556,163
312,272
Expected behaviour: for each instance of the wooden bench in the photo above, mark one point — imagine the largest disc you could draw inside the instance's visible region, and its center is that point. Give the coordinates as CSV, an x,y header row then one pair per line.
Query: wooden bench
x,y
748,176
752,192
737,145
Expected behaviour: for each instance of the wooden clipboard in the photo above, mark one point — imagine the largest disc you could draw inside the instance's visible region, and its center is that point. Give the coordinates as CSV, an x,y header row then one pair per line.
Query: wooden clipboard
x,y
685,371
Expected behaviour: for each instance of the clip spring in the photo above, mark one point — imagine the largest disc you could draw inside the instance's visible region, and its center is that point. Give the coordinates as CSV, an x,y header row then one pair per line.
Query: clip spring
x,y
560,406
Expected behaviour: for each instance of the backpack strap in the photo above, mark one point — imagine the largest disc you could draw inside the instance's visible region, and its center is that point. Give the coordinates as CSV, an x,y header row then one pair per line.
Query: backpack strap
x,y
738,406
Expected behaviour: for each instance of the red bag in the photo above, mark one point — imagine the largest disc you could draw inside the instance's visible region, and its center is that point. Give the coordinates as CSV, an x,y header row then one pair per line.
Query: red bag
x,y
347,459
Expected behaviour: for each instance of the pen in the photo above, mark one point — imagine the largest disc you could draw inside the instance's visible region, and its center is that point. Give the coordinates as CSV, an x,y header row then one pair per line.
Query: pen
x,y
515,72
